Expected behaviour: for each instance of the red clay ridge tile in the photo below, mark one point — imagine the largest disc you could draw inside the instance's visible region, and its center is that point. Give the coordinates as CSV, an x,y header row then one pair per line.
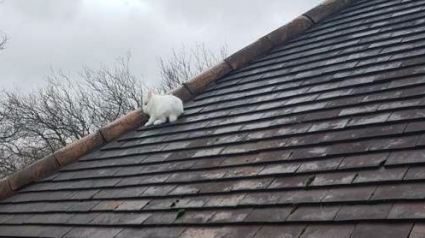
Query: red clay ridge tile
x,y
290,31
200,82
244,56
182,92
76,150
327,8
122,125
5,189
36,171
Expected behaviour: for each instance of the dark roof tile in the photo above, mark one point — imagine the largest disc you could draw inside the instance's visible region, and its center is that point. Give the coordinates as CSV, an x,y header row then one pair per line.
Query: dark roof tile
x,y
151,232
406,157
390,174
327,231
303,196
106,205
52,231
417,231
34,231
107,219
93,232
232,200
157,190
382,230
363,161
220,232
407,211
405,191
83,206
261,198
161,218
286,182
121,192
348,147
132,205
252,184
48,219
86,194
82,218
162,203
349,194
280,168
269,214
230,216
191,202
415,173
287,231
360,212
195,217
322,213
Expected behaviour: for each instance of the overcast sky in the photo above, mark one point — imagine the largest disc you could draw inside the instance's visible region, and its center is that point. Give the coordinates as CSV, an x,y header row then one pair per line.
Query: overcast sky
x,y
66,34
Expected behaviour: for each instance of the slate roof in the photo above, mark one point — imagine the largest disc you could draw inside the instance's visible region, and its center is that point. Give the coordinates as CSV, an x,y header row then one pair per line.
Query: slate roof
x,y
322,137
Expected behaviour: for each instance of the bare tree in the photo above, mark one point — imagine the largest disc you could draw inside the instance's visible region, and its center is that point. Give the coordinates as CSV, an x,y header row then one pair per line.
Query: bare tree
x,y
184,64
3,41
67,108
63,111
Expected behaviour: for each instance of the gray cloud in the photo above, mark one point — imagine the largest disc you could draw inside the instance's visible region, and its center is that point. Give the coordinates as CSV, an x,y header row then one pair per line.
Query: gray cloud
x,y
65,34
44,10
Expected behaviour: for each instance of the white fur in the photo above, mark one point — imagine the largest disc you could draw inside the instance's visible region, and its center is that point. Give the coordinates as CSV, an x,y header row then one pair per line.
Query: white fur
x,y
161,108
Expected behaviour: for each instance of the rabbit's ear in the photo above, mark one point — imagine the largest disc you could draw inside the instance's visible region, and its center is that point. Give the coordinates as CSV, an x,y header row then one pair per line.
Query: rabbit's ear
x,y
150,94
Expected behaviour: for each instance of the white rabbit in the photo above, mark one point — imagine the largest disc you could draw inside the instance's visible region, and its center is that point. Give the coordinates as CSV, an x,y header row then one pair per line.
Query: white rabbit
x,y
162,107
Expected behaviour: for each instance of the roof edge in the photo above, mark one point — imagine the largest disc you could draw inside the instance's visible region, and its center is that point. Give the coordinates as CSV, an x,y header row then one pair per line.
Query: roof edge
x,y
50,164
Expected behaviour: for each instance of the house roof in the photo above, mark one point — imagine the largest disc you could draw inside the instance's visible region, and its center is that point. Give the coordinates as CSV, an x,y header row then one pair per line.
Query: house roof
x,y
320,137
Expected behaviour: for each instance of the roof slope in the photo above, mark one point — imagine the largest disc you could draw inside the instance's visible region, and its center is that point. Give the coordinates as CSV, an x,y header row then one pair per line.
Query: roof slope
x,y
322,137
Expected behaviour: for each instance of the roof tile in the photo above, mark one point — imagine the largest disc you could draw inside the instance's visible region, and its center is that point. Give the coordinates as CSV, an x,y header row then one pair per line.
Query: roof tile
x,y
300,196
288,231
382,230
195,217
220,232
349,194
407,211
322,213
269,214
360,212
225,201
363,161
230,216
328,231
106,205
382,174
161,218
149,232
417,231
261,198
286,182
406,157
93,232
405,191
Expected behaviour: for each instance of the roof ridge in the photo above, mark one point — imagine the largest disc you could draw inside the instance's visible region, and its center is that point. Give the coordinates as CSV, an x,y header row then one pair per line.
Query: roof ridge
x,y
73,152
